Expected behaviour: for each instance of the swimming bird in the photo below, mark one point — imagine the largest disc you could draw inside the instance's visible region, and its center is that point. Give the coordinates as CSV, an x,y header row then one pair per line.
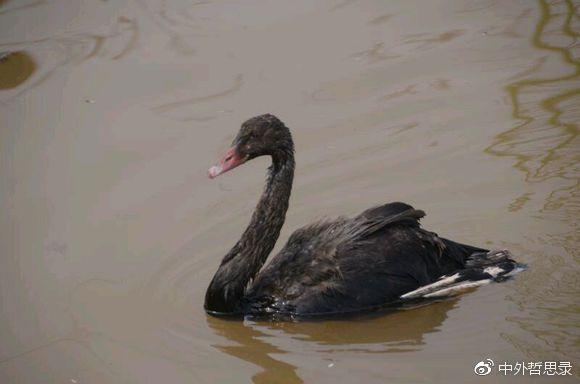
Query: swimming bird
x,y
334,267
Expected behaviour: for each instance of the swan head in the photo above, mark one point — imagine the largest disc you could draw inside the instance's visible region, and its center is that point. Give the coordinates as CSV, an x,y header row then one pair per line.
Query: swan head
x,y
263,135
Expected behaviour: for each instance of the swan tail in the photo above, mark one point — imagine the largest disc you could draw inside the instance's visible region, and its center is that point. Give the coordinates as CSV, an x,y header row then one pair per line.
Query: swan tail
x,y
461,253
481,268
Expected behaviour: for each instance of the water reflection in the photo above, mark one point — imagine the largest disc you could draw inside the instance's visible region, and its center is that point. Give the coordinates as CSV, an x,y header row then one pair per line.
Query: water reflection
x,y
545,141
395,332
253,349
544,144
15,68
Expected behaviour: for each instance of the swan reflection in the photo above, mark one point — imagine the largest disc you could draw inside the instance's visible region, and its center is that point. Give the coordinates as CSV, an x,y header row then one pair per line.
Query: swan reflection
x,y
266,343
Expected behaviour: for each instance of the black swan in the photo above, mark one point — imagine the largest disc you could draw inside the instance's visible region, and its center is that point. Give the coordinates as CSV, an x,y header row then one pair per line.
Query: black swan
x,y
347,265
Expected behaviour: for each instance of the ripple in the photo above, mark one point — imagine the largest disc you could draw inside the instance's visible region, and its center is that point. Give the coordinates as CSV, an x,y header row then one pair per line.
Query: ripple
x,y
20,6
381,19
375,54
179,110
426,40
55,53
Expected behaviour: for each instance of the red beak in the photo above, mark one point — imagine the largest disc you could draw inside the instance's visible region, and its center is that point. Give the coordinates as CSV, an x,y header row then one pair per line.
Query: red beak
x,y
230,160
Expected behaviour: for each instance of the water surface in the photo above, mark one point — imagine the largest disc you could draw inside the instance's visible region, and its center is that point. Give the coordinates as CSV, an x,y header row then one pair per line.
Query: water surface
x,y
110,230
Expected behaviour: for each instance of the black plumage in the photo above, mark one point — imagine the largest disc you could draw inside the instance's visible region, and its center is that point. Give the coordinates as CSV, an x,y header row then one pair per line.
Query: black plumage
x,y
336,266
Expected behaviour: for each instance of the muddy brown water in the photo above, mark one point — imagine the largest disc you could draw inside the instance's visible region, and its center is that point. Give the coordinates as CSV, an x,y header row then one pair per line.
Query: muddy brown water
x,y
110,230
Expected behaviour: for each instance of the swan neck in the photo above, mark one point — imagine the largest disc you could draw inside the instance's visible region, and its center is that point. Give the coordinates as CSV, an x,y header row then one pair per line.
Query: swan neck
x,y
244,260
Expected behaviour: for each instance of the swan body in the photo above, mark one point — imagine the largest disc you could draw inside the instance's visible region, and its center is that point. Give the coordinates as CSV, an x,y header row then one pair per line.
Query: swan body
x,y
380,257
